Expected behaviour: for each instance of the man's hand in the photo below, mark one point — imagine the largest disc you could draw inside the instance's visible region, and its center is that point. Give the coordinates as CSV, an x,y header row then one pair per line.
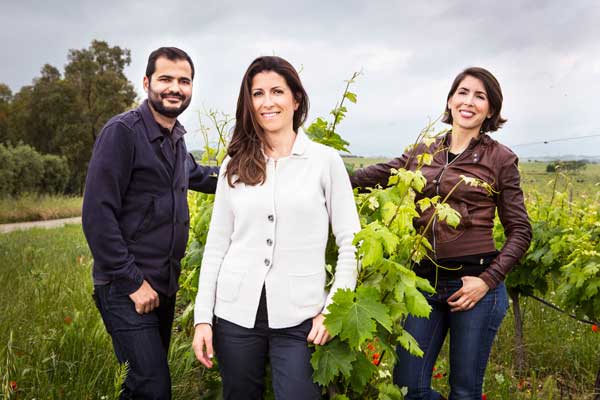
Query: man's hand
x,y
145,298
202,344
318,334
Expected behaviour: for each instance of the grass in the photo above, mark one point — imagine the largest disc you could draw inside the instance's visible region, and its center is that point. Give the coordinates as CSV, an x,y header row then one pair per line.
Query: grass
x,y
38,207
562,358
54,345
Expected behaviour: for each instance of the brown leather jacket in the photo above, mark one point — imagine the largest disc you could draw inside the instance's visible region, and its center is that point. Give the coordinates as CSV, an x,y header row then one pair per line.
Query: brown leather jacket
x,y
484,159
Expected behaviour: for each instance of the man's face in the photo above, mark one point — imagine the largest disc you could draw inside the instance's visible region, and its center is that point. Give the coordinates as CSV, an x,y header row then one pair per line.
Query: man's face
x,y
170,87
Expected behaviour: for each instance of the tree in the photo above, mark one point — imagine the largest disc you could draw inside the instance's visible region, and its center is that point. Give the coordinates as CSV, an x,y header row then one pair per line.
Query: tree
x,y
102,90
62,115
5,100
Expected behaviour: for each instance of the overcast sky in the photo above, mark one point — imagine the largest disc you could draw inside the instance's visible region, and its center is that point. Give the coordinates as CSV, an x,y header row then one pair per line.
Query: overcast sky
x,y
546,55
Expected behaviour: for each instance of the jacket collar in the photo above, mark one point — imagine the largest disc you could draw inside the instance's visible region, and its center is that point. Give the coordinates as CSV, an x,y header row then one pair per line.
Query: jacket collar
x,y
298,148
152,128
484,139
300,144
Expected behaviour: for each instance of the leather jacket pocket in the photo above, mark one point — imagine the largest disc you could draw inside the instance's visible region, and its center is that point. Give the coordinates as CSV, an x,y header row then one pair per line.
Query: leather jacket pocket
x,y
445,233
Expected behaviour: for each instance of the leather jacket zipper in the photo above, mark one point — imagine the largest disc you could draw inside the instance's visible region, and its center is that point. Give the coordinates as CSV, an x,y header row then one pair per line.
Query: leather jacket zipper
x,y
437,182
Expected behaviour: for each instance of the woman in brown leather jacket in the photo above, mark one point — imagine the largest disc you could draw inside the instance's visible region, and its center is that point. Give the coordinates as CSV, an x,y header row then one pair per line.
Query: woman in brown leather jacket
x,y
470,300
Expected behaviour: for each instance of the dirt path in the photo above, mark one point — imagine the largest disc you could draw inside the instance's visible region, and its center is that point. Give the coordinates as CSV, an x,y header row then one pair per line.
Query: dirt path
x,y
53,223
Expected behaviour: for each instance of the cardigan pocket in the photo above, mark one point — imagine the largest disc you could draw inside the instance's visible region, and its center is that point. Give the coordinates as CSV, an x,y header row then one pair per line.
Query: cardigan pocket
x,y
228,284
307,289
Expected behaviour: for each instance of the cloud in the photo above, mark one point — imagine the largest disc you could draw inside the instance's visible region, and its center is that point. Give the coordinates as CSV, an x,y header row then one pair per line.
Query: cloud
x,y
545,54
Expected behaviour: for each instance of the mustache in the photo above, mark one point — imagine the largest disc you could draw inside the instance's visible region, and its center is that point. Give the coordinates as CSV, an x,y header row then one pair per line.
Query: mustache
x,y
172,94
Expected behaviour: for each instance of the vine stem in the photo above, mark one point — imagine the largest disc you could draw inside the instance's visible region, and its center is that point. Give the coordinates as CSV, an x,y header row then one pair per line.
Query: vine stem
x,y
424,232
337,113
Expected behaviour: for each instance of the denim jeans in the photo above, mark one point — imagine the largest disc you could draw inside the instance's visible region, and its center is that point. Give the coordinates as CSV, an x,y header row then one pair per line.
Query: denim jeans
x,y
140,340
472,333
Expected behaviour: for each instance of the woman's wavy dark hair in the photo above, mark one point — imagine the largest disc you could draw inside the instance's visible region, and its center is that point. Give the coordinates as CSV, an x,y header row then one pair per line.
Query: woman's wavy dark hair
x,y
494,93
247,163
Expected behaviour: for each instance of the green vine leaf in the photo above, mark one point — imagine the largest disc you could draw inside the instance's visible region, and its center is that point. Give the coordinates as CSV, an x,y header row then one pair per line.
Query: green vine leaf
x,y
409,343
389,391
330,360
352,315
362,372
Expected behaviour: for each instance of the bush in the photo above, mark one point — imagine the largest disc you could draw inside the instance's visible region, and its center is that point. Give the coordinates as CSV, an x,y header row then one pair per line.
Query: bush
x,y
28,169
24,170
566,166
56,174
7,174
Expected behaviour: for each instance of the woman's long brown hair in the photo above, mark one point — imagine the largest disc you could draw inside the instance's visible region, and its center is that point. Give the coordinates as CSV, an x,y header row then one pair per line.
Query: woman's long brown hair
x,y
247,163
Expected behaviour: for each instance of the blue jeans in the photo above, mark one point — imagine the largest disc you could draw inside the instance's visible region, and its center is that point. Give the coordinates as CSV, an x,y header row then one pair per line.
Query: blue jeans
x,y
140,340
471,336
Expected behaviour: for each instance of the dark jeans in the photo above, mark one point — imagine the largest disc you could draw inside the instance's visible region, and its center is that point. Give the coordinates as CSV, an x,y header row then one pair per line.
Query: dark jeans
x,y
471,336
140,340
242,355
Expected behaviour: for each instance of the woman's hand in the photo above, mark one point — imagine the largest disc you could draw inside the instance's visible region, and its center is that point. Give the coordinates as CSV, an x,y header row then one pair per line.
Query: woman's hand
x,y
202,344
469,294
318,334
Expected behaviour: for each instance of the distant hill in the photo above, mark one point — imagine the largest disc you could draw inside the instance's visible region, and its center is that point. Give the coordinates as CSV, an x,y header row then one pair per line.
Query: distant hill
x,y
567,157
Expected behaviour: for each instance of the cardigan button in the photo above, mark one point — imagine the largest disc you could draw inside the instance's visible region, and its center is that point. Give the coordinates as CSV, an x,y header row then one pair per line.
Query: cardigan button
x,y
267,262
271,218
269,242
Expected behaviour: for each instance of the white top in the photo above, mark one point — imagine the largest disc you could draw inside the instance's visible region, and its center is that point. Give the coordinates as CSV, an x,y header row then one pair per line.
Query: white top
x,y
275,234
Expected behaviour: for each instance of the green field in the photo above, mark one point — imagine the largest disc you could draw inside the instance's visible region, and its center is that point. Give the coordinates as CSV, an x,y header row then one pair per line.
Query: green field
x,y
54,345
38,207
534,178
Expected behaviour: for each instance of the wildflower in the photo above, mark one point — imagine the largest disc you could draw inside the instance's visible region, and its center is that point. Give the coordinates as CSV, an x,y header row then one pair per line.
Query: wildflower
x,y
521,384
13,386
376,356
68,320
484,397
595,328
370,347
439,375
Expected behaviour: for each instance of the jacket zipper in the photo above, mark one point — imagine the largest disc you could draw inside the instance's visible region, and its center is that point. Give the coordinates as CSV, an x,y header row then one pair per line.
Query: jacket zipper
x,y
438,180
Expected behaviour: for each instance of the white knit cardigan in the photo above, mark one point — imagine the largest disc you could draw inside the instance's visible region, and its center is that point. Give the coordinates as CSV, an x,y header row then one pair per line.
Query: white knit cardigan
x,y
275,235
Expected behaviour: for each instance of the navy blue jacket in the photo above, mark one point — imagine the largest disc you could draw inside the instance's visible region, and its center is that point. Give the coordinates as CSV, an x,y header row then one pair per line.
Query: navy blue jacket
x,y
135,212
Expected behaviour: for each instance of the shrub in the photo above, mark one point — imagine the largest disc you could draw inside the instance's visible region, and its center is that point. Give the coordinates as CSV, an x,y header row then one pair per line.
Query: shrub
x,y
56,174
25,170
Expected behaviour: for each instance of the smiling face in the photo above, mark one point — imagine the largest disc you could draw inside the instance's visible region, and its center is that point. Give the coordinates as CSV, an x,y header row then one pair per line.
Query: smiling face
x,y
469,105
170,87
273,102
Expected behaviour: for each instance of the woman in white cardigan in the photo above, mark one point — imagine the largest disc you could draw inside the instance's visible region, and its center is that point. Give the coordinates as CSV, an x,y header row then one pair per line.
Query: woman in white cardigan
x,y
261,291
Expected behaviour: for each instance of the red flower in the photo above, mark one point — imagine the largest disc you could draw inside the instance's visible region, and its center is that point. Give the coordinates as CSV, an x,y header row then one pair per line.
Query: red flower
x,y
370,346
484,397
434,368
439,375
521,384
375,356
68,320
13,386
595,328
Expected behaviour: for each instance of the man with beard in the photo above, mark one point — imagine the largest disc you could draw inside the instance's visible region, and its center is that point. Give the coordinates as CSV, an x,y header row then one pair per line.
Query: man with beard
x,y
136,221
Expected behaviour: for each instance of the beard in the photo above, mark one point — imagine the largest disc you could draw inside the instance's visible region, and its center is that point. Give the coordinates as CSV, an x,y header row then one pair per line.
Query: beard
x,y
156,100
